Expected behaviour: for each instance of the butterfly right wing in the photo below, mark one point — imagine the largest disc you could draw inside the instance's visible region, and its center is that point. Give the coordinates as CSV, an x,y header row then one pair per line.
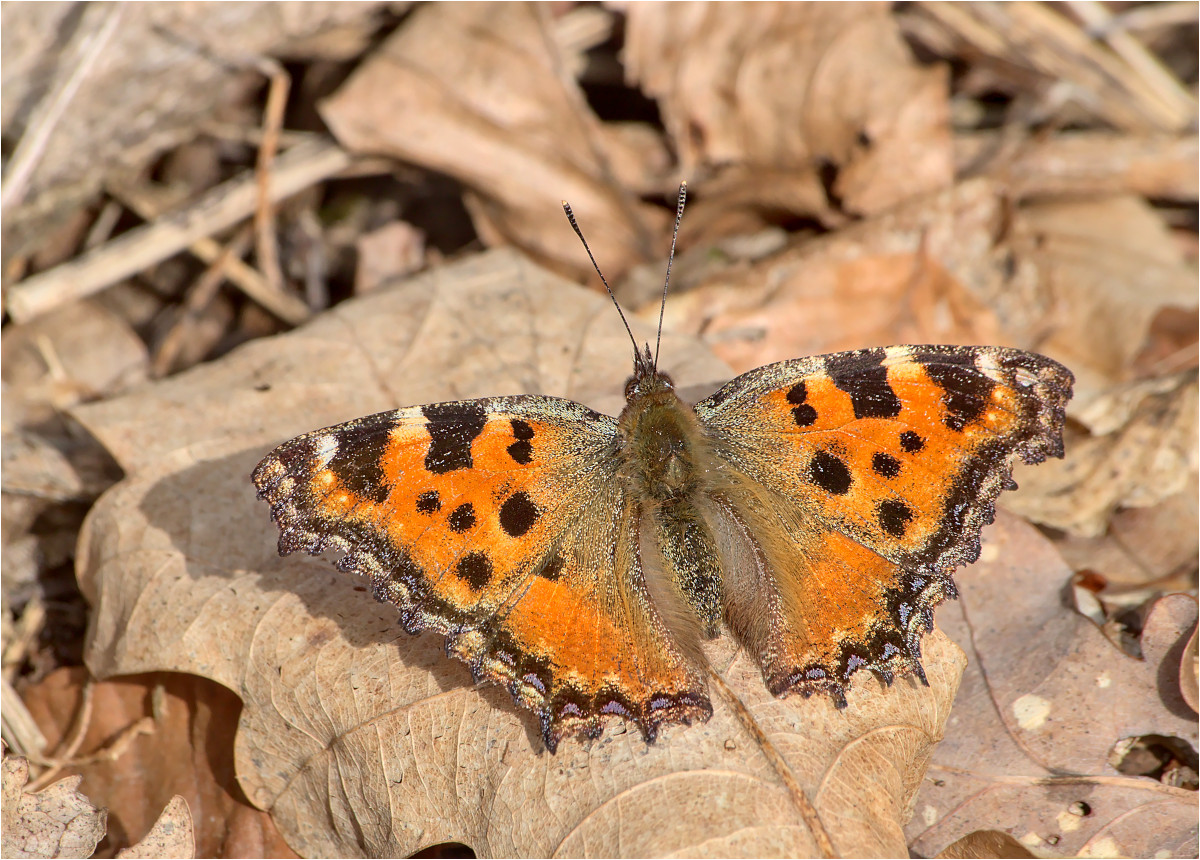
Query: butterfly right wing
x,y
852,486
501,524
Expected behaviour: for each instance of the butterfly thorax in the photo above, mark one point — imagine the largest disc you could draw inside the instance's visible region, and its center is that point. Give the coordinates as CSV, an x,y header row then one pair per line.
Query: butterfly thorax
x,y
661,440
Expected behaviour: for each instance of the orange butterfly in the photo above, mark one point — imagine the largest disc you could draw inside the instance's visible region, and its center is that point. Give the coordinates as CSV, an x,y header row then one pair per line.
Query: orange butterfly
x,y
815,507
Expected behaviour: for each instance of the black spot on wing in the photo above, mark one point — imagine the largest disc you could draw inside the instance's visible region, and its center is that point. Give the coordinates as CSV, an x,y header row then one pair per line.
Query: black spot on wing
x,y
965,389
863,376
429,502
452,428
885,465
462,518
894,517
803,414
829,473
475,569
521,450
518,514
911,442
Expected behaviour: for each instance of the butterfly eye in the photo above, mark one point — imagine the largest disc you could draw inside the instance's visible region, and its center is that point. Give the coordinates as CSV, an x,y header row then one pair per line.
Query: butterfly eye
x,y
630,386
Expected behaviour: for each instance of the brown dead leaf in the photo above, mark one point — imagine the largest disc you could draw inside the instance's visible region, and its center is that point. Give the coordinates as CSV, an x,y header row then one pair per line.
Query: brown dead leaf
x,y
163,72
187,753
392,251
1084,163
57,821
1189,673
1113,267
765,102
171,836
984,844
479,92
1144,552
360,740
1045,699
75,353
926,272
1149,457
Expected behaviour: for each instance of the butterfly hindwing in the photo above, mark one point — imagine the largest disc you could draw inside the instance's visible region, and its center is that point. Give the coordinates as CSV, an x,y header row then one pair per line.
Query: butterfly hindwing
x,y
498,523
854,483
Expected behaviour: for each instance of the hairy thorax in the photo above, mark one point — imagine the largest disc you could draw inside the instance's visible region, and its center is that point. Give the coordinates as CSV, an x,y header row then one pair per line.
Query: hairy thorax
x,y
663,444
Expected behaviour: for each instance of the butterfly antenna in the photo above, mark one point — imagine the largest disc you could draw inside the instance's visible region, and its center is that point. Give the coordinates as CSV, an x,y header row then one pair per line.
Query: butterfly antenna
x,y
662,308
571,217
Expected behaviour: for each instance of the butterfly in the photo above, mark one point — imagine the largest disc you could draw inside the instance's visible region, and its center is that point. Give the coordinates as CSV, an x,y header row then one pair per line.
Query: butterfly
x,y
814,508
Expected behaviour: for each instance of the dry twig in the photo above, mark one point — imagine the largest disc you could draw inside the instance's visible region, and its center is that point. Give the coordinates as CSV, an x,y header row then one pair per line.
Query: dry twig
x,y
267,244
198,297
219,209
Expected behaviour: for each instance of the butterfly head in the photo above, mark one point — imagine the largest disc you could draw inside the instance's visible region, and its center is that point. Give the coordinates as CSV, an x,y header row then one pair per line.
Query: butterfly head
x,y
646,379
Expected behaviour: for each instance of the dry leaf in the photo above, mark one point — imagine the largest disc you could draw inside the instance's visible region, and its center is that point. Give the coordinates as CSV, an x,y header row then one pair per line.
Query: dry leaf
x,y
1148,459
77,352
1189,670
984,844
392,251
1084,163
164,71
771,98
1113,267
478,91
361,740
1045,699
57,821
187,753
929,271
1144,552
170,837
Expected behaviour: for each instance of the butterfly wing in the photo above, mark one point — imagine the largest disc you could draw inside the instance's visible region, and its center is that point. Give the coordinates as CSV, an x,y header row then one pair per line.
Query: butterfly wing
x,y
500,524
853,484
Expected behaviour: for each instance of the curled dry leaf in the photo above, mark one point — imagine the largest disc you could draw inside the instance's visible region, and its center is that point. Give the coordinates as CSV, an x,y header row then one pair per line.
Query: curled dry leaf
x,y
759,98
1045,699
480,92
171,836
1113,267
1189,672
361,740
1148,458
927,272
135,774
57,821
984,844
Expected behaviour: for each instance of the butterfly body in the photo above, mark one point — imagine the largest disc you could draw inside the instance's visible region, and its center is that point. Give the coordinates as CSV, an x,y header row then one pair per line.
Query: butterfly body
x,y
814,508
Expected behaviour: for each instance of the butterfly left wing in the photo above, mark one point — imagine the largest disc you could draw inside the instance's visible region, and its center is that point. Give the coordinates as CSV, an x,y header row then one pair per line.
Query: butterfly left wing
x,y
500,524
852,484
